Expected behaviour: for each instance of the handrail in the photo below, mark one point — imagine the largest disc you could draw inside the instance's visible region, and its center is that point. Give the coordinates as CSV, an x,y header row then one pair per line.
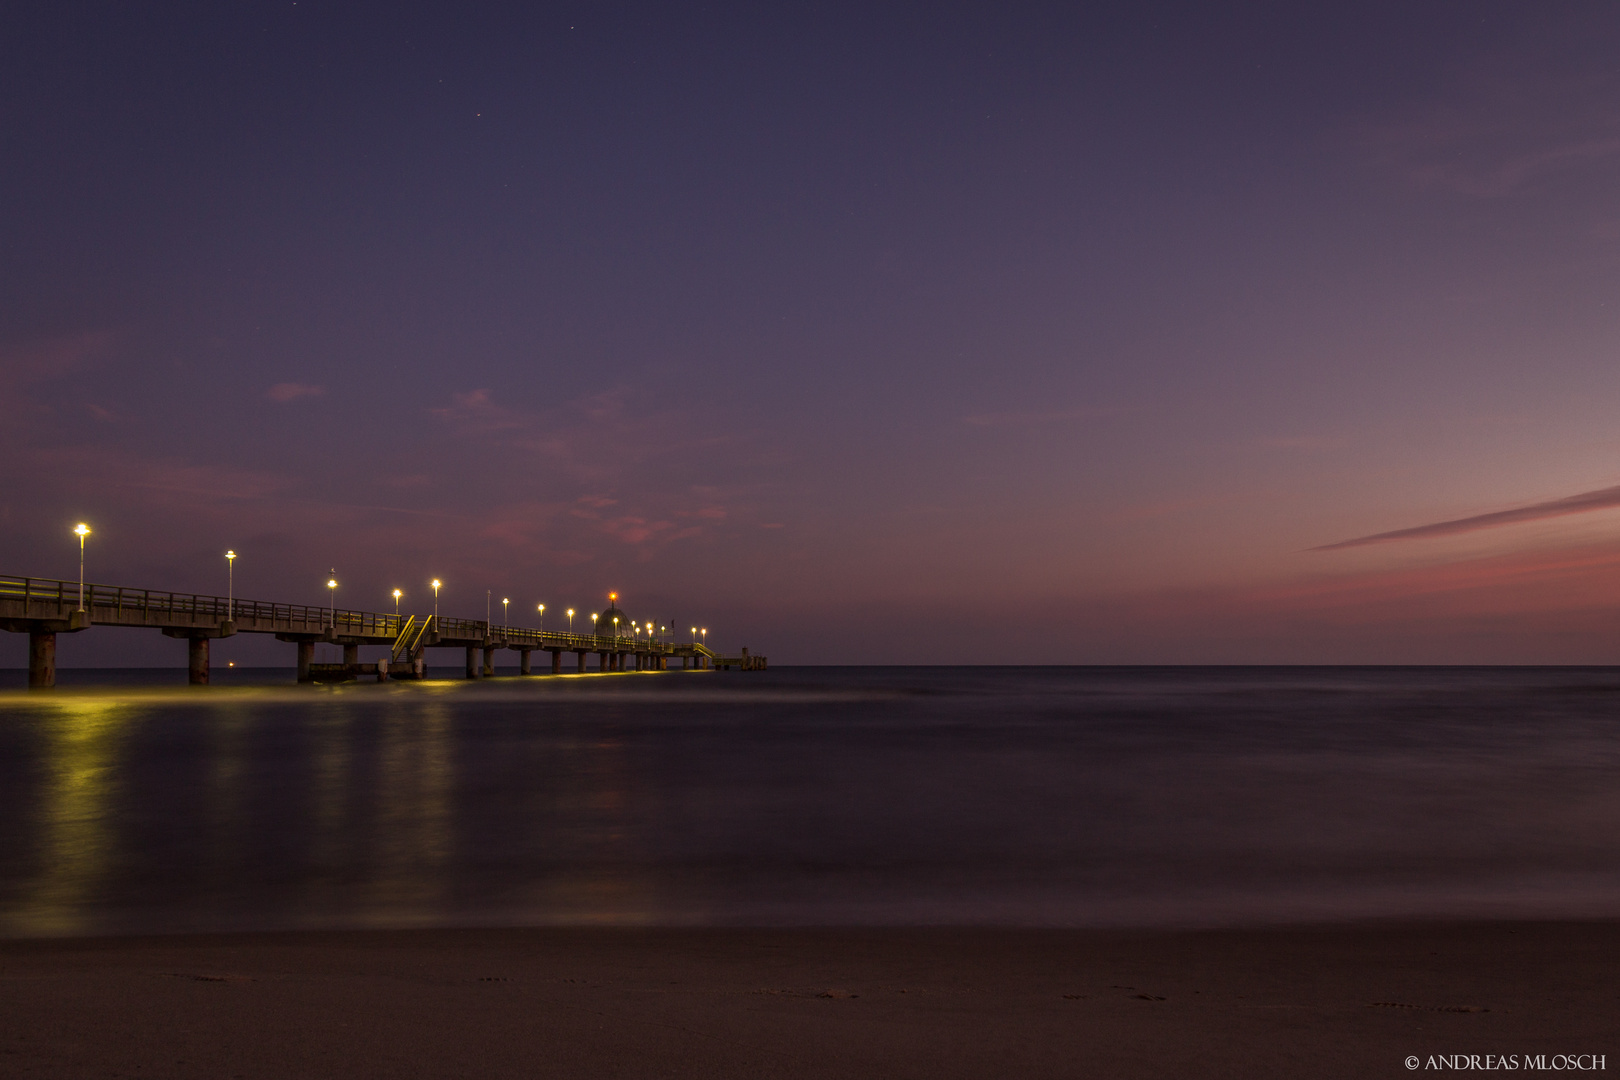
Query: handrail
x,y
402,644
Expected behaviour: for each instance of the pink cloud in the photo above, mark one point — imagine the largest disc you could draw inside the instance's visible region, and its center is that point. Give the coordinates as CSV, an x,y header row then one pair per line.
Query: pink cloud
x,y
291,391
1033,418
36,361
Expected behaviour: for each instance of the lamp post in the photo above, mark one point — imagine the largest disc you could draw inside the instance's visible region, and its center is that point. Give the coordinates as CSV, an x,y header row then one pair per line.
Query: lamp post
x,y
230,586
593,624
82,531
506,622
570,620
542,618
331,591
397,595
705,633
486,609
435,603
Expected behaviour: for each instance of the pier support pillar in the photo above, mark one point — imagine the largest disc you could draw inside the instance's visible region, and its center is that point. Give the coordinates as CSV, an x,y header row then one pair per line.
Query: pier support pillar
x,y
580,654
306,657
556,661
489,660
523,663
197,661
475,670
41,659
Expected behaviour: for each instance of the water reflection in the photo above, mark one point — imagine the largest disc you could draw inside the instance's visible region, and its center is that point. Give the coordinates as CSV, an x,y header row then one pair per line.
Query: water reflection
x,y
412,830
854,796
74,822
600,871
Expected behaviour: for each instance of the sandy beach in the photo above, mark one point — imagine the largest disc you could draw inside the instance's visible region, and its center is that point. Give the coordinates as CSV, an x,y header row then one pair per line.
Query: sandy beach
x,y
1339,1001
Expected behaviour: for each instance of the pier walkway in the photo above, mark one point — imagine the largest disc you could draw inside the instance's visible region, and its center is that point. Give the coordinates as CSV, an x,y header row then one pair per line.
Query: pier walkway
x,y
44,607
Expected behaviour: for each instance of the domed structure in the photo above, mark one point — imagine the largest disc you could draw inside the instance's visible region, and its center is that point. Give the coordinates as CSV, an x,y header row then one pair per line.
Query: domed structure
x,y
605,626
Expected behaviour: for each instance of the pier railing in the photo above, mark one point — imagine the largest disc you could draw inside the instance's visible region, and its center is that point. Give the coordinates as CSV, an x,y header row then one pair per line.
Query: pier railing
x,y
114,605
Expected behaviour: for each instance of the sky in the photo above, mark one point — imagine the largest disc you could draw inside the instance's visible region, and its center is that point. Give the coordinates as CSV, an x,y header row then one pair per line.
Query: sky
x,y
973,333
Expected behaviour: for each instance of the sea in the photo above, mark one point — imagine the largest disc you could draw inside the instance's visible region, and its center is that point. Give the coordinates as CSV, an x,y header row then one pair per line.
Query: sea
x,y
131,803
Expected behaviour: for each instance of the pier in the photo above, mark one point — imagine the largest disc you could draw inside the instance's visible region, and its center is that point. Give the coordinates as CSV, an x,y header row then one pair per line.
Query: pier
x,y
42,608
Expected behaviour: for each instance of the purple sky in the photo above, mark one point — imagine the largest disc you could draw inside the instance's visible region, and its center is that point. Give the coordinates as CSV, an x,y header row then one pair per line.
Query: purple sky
x,y
1010,334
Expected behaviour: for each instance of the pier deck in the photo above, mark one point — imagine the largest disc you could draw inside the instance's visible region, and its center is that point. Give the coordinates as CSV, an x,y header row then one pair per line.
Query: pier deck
x,y
45,607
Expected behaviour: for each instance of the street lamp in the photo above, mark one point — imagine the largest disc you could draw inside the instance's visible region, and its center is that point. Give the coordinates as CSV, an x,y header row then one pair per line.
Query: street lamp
x,y
397,595
505,621
542,618
705,633
435,602
570,620
331,591
593,624
230,585
615,626
82,531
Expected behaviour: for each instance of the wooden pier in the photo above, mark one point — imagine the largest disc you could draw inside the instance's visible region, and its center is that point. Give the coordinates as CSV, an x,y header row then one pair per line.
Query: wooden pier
x,y
44,607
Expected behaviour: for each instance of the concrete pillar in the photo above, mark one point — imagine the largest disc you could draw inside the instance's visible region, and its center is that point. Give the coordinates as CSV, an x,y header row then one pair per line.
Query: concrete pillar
x,y
556,661
489,660
306,656
197,669
351,655
41,659
523,662
580,654
475,670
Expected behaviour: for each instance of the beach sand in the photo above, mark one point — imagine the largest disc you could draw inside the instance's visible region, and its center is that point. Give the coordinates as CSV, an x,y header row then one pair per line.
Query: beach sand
x,y
1339,1001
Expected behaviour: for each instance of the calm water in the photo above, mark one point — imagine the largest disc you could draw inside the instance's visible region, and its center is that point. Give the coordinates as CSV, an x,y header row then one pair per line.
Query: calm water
x,y
1068,796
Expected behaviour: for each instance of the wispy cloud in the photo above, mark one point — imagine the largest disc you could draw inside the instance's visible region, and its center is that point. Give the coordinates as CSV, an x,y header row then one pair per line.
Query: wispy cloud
x,y
26,363
1585,502
1032,418
292,391
1490,134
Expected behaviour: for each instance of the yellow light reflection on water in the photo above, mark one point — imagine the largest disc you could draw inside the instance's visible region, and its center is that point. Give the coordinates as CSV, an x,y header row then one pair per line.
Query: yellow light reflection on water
x,y
75,828
413,810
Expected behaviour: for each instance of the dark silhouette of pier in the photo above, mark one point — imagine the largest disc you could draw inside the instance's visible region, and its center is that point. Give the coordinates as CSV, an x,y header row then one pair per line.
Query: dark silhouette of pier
x,y
42,608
